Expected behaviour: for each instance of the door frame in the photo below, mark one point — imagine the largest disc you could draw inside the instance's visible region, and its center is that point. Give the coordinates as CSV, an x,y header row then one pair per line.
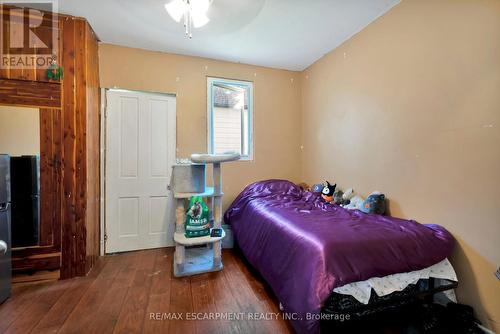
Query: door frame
x,y
49,254
104,102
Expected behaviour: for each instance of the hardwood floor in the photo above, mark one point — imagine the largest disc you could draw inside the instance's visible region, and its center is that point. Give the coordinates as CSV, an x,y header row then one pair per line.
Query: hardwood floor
x,y
122,291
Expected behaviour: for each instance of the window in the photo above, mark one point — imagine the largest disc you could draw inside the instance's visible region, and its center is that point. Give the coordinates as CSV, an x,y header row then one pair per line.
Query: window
x,y
230,108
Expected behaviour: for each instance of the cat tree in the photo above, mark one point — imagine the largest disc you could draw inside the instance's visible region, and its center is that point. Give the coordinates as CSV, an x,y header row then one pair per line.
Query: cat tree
x,y
189,180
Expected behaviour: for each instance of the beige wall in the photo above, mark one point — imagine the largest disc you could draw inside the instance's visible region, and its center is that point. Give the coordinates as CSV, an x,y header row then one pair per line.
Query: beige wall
x,y
19,130
276,107
411,106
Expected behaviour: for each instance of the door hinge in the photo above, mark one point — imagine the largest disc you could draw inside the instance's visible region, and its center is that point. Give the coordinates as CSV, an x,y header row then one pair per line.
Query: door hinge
x,y
105,237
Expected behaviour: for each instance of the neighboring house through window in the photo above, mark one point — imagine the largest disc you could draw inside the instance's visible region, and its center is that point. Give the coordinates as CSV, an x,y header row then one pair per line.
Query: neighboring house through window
x,y
230,111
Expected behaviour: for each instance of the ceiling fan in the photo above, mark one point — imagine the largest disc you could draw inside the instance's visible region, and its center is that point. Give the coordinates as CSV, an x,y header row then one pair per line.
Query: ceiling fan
x,y
194,13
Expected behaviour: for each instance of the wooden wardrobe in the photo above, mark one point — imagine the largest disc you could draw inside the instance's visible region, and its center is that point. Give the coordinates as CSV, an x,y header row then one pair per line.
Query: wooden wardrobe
x,y
69,147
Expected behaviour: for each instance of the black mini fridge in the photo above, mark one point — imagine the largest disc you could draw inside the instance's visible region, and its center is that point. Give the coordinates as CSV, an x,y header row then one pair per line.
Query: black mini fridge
x,y
24,200
5,240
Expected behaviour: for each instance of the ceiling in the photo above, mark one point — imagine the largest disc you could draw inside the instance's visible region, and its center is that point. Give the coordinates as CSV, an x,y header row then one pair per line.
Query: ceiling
x,y
285,34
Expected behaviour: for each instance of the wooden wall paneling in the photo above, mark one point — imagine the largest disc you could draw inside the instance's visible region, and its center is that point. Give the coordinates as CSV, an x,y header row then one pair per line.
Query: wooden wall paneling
x,y
69,260
45,32
50,178
42,276
15,17
36,262
57,143
4,71
81,140
30,93
46,256
93,148
71,137
93,144
80,239
47,196
36,94
27,72
22,252
31,73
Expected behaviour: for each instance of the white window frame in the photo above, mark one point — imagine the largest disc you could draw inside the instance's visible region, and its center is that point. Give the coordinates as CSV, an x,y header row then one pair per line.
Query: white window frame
x,y
210,135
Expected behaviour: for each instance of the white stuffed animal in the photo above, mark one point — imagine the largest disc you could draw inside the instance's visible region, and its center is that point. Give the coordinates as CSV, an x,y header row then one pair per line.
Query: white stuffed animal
x,y
356,203
346,197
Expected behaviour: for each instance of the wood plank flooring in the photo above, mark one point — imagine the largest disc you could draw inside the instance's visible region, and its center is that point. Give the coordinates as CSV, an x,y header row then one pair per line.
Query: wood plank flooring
x,y
121,292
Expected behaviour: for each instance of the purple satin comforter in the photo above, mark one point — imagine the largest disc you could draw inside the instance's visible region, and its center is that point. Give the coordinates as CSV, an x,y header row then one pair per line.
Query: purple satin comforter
x,y
304,248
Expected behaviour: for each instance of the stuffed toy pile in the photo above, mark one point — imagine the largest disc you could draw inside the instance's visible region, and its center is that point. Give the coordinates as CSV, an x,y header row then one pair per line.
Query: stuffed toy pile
x,y
374,203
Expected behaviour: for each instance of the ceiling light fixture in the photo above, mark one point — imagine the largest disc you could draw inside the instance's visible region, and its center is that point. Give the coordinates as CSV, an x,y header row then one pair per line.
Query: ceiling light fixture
x,y
194,13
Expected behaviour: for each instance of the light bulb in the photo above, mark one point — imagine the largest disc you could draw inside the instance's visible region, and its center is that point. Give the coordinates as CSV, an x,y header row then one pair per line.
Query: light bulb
x,y
194,13
176,9
199,19
200,5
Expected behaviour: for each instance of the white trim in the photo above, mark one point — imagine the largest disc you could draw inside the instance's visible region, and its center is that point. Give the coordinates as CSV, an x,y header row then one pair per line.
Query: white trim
x,y
102,158
250,85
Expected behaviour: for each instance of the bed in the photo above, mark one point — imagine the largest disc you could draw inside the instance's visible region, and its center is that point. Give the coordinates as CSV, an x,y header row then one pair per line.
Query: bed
x,y
305,248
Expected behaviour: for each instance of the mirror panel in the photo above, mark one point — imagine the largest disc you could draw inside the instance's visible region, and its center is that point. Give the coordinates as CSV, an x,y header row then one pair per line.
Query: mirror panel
x,y
20,138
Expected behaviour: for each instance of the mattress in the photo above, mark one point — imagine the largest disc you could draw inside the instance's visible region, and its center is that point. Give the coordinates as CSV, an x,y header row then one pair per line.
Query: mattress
x,y
383,286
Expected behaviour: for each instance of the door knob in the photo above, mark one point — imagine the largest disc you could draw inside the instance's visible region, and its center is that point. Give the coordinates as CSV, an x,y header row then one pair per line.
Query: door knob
x,y
3,247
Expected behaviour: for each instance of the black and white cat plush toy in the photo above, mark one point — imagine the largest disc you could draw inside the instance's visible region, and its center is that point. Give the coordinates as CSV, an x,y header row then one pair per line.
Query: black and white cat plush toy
x,y
328,191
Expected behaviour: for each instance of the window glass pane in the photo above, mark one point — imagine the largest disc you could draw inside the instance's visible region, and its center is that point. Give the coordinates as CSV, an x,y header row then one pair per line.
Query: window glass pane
x,y
227,130
230,118
245,135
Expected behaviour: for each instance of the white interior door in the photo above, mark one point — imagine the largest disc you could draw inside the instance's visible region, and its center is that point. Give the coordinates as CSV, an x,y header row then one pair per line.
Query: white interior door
x,y
140,151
